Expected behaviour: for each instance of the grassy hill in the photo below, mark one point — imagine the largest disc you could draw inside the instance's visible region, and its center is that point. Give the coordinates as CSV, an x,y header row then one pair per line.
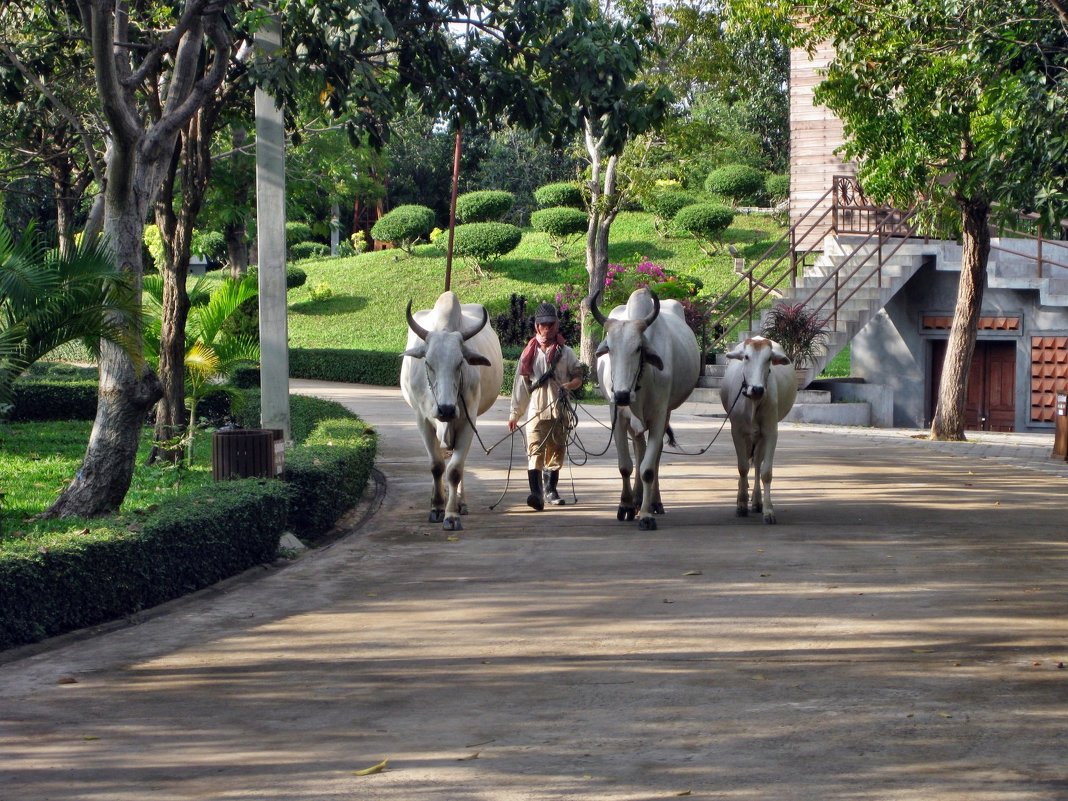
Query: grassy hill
x,y
370,291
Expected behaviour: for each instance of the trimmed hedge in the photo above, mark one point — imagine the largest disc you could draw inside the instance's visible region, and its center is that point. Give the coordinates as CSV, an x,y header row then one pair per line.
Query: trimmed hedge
x,y
706,221
740,183
559,194
76,581
308,250
131,562
485,241
51,399
486,205
404,225
666,204
559,221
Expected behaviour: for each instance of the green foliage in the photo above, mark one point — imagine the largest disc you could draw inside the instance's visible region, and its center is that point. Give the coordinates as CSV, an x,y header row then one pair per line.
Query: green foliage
x,y
561,224
559,194
738,183
297,232
162,547
800,331
48,399
483,242
295,277
624,279
349,366
777,188
321,292
309,250
210,244
404,226
153,240
664,204
48,300
705,222
487,205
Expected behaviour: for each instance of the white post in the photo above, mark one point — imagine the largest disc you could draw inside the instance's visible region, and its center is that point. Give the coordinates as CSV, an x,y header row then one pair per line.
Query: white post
x,y
271,249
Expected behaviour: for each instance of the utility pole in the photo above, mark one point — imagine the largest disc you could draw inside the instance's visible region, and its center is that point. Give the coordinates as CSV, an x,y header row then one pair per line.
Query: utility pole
x,y
271,247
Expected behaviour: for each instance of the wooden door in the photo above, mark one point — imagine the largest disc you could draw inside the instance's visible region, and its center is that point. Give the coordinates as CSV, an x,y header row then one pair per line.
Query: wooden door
x,y
991,403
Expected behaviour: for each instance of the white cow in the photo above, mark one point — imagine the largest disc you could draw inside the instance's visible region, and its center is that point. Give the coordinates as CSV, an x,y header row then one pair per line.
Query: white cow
x,y
758,391
450,374
648,365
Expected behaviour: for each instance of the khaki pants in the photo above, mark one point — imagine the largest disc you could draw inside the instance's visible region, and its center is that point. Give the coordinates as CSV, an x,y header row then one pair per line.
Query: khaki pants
x,y
546,444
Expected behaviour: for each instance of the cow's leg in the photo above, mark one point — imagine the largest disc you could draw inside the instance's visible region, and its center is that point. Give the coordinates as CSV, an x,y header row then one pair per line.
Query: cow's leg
x,y
658,502
742,452
428,431
756,502
648,464
454,476
765,472
626,468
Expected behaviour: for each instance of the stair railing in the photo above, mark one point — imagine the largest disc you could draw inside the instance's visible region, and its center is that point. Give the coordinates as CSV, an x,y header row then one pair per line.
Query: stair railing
x,y
796,233
1039,238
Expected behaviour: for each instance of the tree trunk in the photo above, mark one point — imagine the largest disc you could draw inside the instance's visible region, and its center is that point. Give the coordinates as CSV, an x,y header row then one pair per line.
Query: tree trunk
x,y
949,417
125,394
236,232
603,206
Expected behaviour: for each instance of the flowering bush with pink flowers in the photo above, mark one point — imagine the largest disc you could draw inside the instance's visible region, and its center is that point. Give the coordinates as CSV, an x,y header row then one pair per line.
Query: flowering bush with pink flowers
x,y
623,279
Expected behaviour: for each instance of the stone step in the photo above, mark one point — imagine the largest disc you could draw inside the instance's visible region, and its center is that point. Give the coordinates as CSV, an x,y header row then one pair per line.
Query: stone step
x,y
821,413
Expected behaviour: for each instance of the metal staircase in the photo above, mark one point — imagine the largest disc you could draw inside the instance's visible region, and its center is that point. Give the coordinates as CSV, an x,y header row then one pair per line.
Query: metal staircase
x,y
869,255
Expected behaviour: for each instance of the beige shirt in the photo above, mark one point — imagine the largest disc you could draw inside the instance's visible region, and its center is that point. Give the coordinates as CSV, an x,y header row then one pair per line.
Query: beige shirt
x,y
540,403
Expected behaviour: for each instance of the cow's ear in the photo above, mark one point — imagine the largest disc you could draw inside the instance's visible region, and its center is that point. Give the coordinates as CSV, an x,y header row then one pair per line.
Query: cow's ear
x,y
738,352
473,357
602,349
780,359
418,352
654,359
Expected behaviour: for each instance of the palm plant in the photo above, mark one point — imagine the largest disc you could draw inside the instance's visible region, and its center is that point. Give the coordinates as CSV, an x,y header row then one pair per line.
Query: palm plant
x,y
800,331
211,354
49,299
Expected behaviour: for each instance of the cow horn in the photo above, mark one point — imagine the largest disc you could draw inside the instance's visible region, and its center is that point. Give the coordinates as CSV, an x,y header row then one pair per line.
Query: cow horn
x,y
417,329
485,319
648,321
594,310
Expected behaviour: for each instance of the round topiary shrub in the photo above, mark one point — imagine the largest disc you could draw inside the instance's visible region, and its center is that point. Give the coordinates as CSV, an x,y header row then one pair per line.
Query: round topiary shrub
x,y
560,223
777,188
309,250
404,226
559,194
482,242
295,277
739,183
665,204
706,223
486,205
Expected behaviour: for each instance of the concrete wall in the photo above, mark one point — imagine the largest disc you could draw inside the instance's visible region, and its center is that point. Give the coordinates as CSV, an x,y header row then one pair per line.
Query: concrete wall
x,y
894,350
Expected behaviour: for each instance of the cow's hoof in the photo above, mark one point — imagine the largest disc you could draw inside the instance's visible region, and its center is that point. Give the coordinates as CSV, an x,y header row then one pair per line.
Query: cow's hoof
x,y
647,524
452,524
770,519
741,511
463,508
658,508
625,513
436,515
756,507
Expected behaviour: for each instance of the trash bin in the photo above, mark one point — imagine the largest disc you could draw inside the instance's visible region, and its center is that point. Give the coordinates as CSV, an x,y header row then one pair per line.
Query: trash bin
x,y
1060,430
247,453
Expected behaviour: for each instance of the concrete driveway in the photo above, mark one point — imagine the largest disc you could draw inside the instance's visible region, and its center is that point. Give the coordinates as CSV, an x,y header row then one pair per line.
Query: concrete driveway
x,y
901,635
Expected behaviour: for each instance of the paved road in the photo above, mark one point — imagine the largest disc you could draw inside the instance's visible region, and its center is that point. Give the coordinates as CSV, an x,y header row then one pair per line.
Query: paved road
x,y
901,635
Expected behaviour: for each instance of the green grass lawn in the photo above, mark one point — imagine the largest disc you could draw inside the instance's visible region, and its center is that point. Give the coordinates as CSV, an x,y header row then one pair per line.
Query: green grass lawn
x,y
370,291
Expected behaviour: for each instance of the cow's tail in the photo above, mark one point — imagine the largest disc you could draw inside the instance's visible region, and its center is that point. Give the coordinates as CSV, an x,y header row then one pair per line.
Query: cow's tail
x,y
670,436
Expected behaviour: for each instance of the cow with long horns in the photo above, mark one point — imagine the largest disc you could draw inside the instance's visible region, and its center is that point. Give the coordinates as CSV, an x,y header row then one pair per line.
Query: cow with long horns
x,y
648,364
451,373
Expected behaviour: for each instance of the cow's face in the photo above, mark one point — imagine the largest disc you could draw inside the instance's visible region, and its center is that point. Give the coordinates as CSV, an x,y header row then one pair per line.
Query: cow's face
x,y
444,355
630,353
757,355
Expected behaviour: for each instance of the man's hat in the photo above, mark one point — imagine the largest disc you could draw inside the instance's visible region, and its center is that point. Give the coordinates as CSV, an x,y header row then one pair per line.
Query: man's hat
x,y
546,313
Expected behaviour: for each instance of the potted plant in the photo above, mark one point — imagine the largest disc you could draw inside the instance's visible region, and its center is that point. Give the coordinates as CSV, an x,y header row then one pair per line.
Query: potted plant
x,y
799,330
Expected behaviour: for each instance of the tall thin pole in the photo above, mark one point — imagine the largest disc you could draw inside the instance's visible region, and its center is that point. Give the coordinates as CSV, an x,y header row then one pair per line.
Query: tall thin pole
x,y
452,211
271,247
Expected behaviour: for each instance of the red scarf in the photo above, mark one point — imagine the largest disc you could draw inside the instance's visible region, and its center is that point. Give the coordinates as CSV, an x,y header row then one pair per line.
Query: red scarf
x,y
553,339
